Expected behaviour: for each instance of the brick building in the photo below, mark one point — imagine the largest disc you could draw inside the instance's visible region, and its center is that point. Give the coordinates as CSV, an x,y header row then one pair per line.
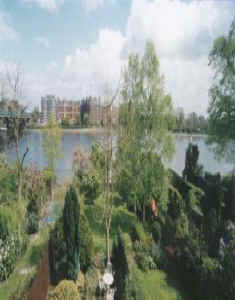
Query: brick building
x,y
97,113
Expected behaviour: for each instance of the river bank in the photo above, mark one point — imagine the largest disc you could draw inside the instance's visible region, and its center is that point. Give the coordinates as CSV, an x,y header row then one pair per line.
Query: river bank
x,y
94,130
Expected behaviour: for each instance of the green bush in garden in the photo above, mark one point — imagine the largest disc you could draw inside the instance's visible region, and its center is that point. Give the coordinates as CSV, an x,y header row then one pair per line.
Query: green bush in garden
x,y
32,216
11,249
66,290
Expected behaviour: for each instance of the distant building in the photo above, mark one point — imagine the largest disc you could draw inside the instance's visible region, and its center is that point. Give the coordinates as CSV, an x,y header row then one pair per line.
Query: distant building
x,y
48,108
69,110
73,111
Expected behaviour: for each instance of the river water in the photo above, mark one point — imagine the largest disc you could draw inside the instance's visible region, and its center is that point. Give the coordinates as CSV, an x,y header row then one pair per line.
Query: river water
x,y
84,139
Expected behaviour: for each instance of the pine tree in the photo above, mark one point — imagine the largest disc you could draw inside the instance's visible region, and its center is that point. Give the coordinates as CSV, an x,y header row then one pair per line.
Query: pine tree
x,y
32,214
71,232
192,169
120,266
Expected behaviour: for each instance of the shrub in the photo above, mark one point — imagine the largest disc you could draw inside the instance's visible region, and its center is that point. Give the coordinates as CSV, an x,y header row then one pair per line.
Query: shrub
x,y
86,244
32,216
10,250
90,186
156,232
65,290
145,262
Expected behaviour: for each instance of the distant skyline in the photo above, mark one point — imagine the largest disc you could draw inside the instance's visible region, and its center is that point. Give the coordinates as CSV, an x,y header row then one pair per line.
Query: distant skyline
x,y
75,48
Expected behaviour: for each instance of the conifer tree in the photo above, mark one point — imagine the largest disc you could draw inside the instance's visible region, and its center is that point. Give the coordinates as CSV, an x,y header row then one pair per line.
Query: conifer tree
x,y
32,214
192,169
71,232
120,266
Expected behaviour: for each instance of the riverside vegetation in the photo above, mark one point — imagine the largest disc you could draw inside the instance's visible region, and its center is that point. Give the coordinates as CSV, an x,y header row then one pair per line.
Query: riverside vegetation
x,y
170,236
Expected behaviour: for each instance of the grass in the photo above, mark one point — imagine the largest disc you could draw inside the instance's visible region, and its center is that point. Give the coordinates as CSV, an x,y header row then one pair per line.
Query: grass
x,y
18,284
154,286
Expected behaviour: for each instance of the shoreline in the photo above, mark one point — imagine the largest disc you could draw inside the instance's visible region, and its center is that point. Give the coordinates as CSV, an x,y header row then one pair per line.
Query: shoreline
x,y
101,130
75,130
193,135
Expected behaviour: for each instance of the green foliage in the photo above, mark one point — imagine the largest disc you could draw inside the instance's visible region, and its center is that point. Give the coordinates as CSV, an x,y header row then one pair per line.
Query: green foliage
x,y
71,216
145,117
51,143
32,216
156,231
35,255
86,243
147,110
120,266
85,121
16,287
9,222
98,158
11,249
222,106
57,253
8,181
90,186
66,290
65,122
192,170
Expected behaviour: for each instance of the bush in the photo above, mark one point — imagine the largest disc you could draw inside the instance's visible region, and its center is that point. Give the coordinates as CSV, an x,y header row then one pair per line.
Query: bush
x,y
65,290
35,255
156,232
145,262
86,244
9,221
139,234
90,186
10,250
32,216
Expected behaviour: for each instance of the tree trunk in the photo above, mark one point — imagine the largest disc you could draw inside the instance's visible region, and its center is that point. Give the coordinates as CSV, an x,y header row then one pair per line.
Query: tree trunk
x,y
143,213
19,186
52,190
107,241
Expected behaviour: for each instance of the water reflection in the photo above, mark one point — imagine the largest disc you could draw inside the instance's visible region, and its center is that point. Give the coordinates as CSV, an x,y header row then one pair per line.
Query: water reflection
x,y
74,139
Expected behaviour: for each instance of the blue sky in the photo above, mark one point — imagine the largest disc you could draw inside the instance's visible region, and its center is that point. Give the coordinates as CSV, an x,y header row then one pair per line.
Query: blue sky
x,y
60,30
74,48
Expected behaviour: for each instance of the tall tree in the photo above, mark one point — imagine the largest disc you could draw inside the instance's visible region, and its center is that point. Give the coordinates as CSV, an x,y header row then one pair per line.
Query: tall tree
x,y
145,117
71,232
51,148
15,124
192,169
120,266
222,101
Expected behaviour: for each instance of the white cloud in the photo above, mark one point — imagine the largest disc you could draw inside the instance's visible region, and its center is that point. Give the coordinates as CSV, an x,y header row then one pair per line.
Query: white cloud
x,y
183,34
98,64
43,41
90,5
7,32
50,5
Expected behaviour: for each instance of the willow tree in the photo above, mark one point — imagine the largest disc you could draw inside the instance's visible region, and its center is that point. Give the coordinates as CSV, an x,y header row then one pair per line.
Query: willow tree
x,y
51,148
222,101
146,115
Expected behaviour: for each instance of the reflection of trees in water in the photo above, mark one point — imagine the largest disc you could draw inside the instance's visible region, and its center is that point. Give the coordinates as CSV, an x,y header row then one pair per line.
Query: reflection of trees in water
x,y
3,141
224,151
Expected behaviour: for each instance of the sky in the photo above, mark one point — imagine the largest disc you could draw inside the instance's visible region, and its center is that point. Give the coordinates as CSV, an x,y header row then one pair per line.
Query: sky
x,y
76,48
